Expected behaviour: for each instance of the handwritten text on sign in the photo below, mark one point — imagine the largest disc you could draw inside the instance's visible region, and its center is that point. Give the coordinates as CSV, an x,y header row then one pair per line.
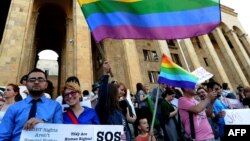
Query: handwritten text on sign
x,y
202,74
237,117
71,132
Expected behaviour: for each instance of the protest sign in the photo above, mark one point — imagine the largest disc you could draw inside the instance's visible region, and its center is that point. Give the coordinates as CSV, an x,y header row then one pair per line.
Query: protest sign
x,y
202,74
237,117
73,132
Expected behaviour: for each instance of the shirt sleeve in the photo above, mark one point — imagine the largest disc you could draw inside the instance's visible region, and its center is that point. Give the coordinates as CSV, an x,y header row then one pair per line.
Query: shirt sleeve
x,y
100,110
95,119
185,104
58,117
7,125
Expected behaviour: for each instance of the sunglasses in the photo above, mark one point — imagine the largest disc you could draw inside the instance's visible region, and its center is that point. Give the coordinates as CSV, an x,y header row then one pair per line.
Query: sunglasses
x,y
72,93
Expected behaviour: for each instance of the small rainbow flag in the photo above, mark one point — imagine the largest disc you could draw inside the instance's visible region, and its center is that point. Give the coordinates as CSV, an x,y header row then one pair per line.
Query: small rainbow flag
x,y
174,75
150,19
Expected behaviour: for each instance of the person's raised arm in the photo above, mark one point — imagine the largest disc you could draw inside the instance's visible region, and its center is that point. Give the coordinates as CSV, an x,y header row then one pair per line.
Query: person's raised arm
x,y
103,90
203,104
104,80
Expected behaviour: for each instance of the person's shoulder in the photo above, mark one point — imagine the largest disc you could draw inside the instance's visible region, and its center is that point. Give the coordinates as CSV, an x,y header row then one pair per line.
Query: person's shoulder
x,y
18,105
183,98
50,101
87,109
90,111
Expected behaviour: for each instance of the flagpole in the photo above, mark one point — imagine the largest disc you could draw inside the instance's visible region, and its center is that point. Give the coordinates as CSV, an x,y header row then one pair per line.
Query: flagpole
x,y
155,109
103,56
183,55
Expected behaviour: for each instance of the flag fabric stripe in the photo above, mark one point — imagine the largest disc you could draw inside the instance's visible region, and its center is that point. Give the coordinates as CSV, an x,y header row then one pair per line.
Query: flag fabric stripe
x,y
145,6
152,20
147,19
167,65
181,84
160,33
170,70
174,75
179,77
81,2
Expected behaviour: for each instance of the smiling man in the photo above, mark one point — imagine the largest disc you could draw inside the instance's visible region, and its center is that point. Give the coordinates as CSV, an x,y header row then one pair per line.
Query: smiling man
x,y
36,108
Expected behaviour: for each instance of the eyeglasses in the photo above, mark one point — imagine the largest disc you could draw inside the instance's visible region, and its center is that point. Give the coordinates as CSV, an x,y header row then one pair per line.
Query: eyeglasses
x,y
66,95
39,79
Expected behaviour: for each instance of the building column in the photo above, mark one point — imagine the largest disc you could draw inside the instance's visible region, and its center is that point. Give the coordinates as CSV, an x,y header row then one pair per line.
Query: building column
x,y
70,45
132,61
164,47
221,40
191,52
29,50
83,66
239,49
246,42
206,42
14,40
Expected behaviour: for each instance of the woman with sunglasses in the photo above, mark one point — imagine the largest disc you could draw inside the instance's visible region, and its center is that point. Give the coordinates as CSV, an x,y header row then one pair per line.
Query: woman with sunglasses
x,y
11,95
77,114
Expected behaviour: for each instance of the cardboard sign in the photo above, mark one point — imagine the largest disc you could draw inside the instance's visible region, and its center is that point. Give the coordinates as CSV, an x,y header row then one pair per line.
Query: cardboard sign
x,y
72,132
202,74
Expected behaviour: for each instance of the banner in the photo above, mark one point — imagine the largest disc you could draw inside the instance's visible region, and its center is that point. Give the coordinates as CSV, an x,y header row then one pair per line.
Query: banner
x,y
202,74
237,117
72,132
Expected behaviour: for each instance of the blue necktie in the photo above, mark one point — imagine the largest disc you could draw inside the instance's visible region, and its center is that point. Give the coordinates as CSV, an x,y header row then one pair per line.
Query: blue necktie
x,y
33,108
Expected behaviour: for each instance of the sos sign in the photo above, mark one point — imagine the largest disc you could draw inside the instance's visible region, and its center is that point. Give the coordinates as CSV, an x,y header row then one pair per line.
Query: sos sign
x,y
108,136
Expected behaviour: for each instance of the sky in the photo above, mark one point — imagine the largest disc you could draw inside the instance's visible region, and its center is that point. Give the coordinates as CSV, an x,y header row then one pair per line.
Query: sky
x,y
242,8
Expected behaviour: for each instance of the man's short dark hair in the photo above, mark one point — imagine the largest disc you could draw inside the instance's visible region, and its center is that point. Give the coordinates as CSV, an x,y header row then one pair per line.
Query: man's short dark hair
x,y
211,84
37,70
85,93
224,86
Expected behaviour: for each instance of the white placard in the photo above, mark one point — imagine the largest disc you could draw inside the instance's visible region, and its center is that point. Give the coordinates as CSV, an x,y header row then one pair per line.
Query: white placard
x,y
202,74
237,117
72,132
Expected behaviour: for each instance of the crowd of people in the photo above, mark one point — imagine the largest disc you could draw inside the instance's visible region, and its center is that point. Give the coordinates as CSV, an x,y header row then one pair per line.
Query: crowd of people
x,y
181,114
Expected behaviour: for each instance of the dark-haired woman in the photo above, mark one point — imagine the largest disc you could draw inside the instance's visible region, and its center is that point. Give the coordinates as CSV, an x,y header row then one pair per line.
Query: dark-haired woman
x,y
108,108
169,113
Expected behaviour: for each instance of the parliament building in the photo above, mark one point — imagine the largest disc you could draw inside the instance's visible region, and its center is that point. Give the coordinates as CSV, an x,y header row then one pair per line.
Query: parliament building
x,y
30,27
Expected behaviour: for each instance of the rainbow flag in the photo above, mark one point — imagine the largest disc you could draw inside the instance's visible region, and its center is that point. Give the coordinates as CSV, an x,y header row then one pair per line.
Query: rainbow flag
x,y
174,75
150,19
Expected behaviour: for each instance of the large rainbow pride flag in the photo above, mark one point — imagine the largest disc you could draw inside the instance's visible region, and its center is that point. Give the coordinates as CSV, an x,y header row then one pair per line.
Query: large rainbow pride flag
x,y
174,75
150,19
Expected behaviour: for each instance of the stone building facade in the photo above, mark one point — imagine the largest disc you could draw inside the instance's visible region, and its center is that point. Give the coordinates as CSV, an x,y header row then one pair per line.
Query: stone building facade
x,y
32,26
